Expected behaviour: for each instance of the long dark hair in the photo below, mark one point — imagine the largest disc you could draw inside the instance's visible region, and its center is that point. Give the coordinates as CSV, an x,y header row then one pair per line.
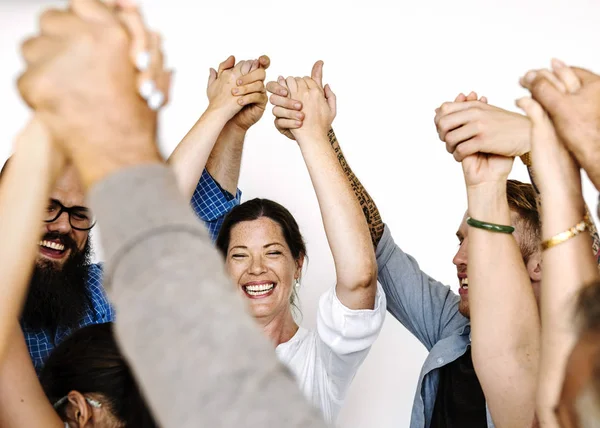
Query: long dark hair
x,y
89,361
255,209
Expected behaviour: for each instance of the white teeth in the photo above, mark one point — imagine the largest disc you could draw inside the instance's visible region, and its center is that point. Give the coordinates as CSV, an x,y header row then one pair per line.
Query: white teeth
x,y
464,282
53,245
260,289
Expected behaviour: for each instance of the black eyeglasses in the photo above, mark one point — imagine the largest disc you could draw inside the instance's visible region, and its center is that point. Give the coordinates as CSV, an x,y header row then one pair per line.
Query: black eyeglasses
x,y
80,218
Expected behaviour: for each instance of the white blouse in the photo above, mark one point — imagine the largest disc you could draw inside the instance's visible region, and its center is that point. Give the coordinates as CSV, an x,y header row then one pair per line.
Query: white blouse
x,y
325,361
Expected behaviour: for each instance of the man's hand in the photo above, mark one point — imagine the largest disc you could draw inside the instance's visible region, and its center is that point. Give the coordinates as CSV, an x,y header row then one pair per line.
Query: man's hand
x,y
82,84
557,171
470,126
575,112
319,106
288,111
251,113
229,90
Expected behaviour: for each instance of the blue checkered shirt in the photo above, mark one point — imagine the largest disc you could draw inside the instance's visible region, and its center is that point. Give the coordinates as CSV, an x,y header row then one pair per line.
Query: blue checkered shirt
x,y
210,202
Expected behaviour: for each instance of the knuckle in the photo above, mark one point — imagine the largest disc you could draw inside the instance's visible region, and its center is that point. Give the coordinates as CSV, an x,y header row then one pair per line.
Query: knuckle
x,y
445,107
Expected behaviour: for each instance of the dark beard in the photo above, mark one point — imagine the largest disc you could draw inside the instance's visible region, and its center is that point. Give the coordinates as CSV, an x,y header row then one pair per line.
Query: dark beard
x,y
58,297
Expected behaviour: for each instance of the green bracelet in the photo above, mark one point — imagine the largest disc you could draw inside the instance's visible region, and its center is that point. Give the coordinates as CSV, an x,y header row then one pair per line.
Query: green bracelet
x,y
491,227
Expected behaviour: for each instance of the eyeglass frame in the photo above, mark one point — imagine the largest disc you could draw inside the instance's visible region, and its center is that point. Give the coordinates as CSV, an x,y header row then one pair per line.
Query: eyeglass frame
x,y
64,209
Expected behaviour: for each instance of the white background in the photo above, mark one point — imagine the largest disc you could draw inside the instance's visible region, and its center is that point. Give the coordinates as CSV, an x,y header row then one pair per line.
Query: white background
x,y
390,67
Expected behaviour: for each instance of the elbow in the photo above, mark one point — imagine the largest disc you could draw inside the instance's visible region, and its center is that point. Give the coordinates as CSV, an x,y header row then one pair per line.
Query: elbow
x,y
365,276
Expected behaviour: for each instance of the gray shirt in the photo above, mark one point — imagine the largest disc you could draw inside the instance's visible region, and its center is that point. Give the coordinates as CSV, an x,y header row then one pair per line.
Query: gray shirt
x,y
429,310
197,354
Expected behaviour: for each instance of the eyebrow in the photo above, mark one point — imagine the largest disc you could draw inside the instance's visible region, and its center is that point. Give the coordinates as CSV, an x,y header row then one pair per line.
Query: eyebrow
x,y
77,207
243,247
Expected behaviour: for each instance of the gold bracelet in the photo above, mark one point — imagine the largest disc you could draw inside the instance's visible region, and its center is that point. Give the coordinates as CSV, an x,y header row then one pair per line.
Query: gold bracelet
x,y
526,159
561,237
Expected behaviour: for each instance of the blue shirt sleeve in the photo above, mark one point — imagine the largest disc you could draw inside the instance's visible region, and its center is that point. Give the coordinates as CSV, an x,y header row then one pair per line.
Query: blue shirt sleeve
x,y
212,203
426,307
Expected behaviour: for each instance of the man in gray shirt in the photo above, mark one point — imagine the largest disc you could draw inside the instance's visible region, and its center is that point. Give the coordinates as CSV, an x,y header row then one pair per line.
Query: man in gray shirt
x,y
196,353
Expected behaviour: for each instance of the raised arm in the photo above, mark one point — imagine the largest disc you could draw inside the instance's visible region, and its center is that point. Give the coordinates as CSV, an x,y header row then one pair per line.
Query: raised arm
x,y
289,116
236,101
22,399
505,331
469,126
345,225
568,263
424,306
33,167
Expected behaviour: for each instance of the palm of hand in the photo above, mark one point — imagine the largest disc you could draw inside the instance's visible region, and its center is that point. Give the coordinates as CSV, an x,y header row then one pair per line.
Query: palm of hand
x,y
485,168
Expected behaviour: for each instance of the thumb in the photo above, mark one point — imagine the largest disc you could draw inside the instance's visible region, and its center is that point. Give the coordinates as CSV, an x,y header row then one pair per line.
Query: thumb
x,y
317,73
212,76
331,99
532,109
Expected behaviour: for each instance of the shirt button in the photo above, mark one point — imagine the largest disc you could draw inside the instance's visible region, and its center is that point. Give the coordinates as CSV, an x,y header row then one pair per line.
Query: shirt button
x,y
440,360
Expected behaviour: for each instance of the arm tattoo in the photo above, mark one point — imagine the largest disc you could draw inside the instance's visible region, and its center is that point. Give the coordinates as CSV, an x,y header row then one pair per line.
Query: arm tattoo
x,y
367,204
591,227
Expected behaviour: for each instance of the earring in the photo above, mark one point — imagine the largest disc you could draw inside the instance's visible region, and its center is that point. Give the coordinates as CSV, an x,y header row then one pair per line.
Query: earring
x,y
297,282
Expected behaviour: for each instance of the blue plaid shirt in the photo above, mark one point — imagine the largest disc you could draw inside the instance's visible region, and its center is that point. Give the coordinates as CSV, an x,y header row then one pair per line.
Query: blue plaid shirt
x,y
210,202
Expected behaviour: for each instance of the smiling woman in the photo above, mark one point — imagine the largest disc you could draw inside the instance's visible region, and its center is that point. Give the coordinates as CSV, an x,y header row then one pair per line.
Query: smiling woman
x,y
264,253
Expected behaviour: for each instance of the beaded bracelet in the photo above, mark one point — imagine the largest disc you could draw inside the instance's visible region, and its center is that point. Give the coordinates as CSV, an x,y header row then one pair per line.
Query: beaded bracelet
x,y
491,227
572,232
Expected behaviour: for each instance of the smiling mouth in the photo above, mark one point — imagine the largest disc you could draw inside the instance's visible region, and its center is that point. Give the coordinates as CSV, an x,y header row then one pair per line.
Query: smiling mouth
x,y
259,290
54,250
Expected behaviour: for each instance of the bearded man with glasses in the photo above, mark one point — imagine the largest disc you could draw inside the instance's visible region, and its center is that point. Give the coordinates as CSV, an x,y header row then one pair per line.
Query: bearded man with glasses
x,y
65,291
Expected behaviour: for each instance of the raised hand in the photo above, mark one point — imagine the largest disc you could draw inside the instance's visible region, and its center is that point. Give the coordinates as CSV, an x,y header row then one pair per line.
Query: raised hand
x,y
575,112
555,166
287,110
252,82
470,126
83,85
235,86
319,106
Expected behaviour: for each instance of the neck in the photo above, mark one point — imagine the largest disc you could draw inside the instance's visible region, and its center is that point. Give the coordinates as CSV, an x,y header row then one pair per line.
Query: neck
x,y
279,328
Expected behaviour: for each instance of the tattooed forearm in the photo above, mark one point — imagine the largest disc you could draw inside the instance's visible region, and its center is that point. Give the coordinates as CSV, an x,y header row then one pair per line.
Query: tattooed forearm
x,y
367,204
591,227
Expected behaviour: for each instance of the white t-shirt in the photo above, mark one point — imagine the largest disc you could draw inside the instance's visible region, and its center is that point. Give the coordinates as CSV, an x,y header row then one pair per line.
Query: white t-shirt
x,y
325,361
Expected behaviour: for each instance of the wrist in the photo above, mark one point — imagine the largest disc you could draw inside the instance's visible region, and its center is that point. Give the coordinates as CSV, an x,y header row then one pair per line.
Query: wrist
x,y
488,202
235,130
219,114
96,166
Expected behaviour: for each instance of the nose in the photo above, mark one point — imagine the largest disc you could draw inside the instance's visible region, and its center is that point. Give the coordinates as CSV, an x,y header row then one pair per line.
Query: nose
x,y
257,266
460,258
60,225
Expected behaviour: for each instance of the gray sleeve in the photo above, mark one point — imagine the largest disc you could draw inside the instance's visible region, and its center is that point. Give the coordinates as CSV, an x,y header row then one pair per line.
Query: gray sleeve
x,y
426,307
195,351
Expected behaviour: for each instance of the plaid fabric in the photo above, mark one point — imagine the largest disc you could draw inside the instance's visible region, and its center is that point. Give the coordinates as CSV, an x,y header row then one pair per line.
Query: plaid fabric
x,y
210,202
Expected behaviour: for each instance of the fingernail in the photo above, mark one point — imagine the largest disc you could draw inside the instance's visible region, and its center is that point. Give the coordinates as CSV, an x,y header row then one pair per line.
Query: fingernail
x,y
283,92
142,61
239,82
298,105
530,76
241,101
300,116
235,91
298,123
147,89
156,100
